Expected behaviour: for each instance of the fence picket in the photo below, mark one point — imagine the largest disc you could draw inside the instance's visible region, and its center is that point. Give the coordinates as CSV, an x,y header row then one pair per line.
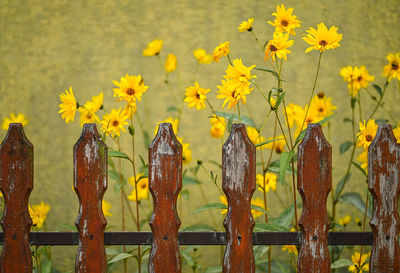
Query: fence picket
x,y
165,182
384,185
90,183
238,183
16,184
314,178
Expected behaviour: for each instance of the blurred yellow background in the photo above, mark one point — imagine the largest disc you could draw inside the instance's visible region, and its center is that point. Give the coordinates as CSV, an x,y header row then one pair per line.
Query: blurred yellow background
x,y
48,46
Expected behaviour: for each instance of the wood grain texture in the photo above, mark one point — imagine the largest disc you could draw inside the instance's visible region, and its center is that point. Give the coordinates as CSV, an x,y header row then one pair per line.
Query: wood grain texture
x,y
314,178
238,184
16,184
165,182
90,183
384,185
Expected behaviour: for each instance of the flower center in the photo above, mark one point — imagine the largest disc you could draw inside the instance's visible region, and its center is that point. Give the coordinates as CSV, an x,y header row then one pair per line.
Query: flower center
x,y
284,23
115,123
323,43
368,138
272,48
198,96
359,78
395,66
143,186
278,150
234,94
130,91
321,95
320,109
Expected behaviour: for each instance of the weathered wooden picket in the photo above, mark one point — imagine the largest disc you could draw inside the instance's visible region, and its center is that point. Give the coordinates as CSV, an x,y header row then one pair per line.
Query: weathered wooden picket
x,y
165,180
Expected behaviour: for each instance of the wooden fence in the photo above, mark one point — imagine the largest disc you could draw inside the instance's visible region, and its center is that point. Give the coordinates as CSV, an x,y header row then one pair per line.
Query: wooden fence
x,y
165,181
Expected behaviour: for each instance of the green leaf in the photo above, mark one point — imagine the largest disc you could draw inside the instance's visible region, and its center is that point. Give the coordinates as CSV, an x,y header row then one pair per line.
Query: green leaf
x,y
341,185
244,119
190,181
258,208
68,227
214,269
378,89
285,218
270,226
198,227
185,194
119,257
113,153
111,251
210,206
347,120
353,103
131,130
283,165
279,100
268,70
188,258
46,267
355,199
268,141
341,263
345,146
146,139
360,168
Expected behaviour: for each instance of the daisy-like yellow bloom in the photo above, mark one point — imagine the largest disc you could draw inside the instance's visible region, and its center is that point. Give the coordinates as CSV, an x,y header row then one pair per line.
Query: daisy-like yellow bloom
x,y
285,21
246,25
174,122
38,214
278,145
366,134
322,39
20,118
363,159
396,132
347,73
68,105
322,105
221,50
153,48
171,63
130,89
142,187
313,116
224,201
254,136
345,220
186,152
89,109
201,56
290,249
360,264
239,74
278,46
96,103
106,208
259,203
270,182
113,123
232,95
295,113
392,68
87,116
360,79
218,126
196,96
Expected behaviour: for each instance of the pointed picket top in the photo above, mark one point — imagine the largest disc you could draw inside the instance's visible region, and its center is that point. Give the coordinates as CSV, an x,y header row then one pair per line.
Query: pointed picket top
x,y
165,182
16,184
314,182
384,185
90,183
238,184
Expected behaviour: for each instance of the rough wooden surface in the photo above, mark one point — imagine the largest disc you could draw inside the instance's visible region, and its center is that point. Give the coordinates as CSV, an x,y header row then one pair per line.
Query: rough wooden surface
x,y
238,184
314,178
165,182
384,185
90,183
16,183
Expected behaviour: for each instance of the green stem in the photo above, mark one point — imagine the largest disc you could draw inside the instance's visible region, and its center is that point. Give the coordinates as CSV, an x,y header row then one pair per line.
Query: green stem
x,y
258,42
380,99
240,121
229,59
395,120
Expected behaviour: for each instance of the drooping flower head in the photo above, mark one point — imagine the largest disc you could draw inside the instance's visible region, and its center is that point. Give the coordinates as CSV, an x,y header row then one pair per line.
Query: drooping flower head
x,y
201,56
68,105
246,25
130,88
278,46
171,63
153,48
221,50
284,20
113,123
322,39
142,187
392,68
20,118
218,126
196,96
367,133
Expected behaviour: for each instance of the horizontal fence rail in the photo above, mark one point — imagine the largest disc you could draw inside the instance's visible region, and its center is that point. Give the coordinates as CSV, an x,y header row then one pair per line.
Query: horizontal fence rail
x,y
314,177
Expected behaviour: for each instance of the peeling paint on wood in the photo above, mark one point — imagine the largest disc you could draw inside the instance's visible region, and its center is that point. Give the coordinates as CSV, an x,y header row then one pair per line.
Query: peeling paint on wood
x,y
314,178
238,183
165,182
384,185
90,183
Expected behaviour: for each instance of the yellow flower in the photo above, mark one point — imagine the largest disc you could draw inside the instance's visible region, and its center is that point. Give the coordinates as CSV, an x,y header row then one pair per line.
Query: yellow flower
x,y
38,213
218,126
360,79
366,134
284,20
290,249
196,96
259,203
295,114
270,182
88,111
20,118
322,106
130,88
201,56
87,116
278,145
277,47
246,25
174,122
232,94
359,263
347,73
254,136
106,208
392,68
142,187
113,122
239,74
396,132
96,103
153,48
225,202
171,63
68,105
322,38
221,50
186,152
363,159
345,220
